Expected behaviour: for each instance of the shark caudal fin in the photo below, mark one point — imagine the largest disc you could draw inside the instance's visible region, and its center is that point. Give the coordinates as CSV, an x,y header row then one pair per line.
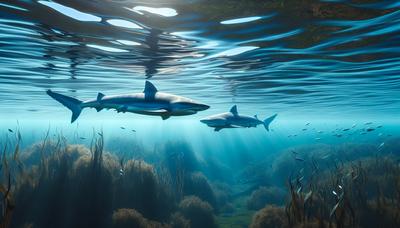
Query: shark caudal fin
x,y
71,103
268,121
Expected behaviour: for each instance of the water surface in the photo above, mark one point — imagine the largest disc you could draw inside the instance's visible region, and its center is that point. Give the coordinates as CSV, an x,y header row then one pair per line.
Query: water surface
x,y
297,58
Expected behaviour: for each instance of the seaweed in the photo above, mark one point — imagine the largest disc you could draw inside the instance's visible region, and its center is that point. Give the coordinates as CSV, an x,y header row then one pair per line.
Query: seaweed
x,y
265,195
198,212
270,216
10,167
352,194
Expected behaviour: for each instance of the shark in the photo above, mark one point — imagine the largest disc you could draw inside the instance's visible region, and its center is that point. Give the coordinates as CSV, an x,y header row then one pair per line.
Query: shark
x,y
233,119
149,102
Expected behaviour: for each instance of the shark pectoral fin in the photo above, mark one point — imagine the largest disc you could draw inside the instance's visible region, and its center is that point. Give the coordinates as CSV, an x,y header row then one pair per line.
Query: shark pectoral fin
x,y
122,108
164,117
217,128
98,109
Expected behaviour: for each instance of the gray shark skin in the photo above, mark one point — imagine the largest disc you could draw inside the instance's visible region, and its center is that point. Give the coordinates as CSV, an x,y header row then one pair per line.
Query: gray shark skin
x,y
148,102
232,119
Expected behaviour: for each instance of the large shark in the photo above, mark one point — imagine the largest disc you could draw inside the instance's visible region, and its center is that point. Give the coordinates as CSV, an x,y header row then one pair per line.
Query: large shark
x,y
232,119
149,102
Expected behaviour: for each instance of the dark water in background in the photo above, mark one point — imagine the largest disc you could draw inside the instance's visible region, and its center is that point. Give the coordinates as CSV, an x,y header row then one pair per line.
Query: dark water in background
x,y
330,69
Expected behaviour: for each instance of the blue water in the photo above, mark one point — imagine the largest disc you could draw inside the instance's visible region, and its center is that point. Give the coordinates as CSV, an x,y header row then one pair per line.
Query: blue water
x,y
329,69
297,59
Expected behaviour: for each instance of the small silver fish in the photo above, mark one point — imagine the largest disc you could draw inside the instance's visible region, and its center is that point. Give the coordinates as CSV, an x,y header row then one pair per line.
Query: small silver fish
x,y
334,209
308,196
325,156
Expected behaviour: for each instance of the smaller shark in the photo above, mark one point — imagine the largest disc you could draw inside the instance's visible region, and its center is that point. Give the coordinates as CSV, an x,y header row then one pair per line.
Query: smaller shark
x,y
148,102
232,119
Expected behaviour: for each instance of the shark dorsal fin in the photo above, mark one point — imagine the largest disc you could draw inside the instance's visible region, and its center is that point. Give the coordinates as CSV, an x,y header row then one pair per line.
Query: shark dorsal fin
x,y
255,116
100,96
234,110
149,88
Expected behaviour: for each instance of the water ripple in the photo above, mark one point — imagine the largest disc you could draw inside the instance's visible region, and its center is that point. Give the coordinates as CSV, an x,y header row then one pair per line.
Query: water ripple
x,y
337,57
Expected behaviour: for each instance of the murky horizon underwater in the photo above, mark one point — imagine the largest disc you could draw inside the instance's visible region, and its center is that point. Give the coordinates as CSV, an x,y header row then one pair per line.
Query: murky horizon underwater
x,y
328,69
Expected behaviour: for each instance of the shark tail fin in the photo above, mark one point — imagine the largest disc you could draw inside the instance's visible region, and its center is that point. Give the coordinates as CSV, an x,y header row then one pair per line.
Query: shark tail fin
x,y
268,121
71,103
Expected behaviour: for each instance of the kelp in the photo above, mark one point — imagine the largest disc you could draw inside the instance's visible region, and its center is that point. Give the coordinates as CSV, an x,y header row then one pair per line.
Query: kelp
x,y
351,194
10,167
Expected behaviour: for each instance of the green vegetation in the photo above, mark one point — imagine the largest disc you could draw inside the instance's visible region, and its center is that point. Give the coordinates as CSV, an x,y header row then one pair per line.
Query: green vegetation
x,y
55,184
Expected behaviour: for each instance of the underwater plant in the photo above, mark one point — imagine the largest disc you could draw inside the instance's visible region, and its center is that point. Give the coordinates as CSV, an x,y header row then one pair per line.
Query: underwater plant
x,y
270,216
106,183
359,193
179,161
128,218
198,212
223,196
11,168
265,195
178,221
114,192
307,158
180,152
139,188
49,197
197,184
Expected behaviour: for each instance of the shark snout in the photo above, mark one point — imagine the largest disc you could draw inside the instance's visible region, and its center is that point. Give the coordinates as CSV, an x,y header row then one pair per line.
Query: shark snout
x,y
201,107
209,121
188,105
205,121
